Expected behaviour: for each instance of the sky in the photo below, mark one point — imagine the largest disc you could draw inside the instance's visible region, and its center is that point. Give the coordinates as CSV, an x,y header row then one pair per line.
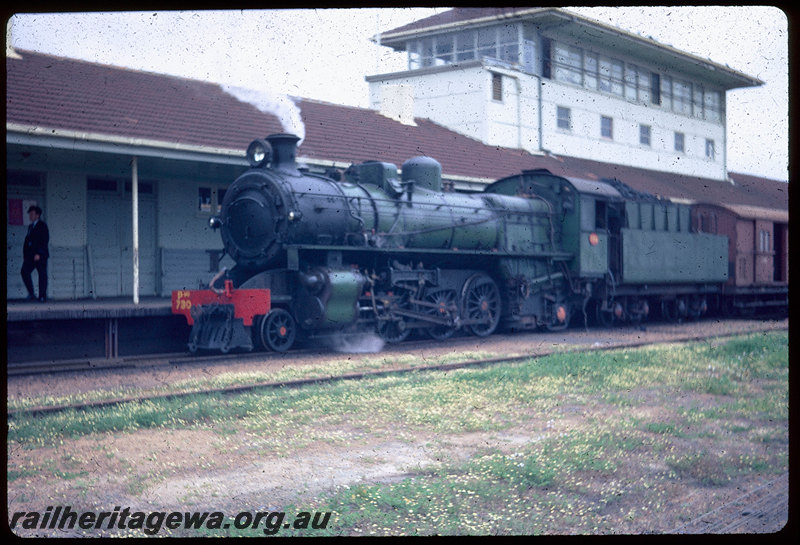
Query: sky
x,y
325,54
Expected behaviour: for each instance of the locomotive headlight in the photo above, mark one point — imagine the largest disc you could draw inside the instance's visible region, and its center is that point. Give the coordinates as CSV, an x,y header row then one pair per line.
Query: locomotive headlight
x,y
214,222
294,215
259,153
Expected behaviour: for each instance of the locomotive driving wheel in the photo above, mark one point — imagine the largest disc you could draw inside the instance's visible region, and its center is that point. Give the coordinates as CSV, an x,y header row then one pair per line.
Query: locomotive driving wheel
x,y
480,302
394,330
445,301
278,330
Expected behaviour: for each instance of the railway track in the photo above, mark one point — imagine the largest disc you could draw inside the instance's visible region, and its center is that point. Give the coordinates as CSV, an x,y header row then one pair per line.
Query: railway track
x,y
174,358
761,510
183,358
331,378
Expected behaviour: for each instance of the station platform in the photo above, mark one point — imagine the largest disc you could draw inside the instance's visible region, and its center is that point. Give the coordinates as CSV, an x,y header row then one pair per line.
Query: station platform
x,y
116,307
92,329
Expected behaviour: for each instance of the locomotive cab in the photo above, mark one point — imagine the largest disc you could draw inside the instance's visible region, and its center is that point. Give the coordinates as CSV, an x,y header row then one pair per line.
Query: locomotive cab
x,y
601,214
590,212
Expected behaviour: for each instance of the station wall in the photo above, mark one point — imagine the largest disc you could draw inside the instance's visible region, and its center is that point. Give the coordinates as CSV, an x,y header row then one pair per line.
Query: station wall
x,y
90,226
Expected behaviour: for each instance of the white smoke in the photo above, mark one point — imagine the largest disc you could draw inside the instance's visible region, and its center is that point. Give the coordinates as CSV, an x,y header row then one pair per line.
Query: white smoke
x,y
355,343
281,106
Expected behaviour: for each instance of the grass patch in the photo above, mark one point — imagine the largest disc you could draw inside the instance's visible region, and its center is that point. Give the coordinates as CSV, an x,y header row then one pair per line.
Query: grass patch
x,y
661,427
707,468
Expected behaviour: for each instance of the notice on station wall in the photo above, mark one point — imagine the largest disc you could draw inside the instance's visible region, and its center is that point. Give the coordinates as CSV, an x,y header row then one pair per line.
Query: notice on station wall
x,y
17,211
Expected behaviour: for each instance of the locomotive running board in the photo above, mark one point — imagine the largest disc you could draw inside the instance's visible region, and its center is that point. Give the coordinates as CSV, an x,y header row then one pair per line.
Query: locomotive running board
x,y
293,255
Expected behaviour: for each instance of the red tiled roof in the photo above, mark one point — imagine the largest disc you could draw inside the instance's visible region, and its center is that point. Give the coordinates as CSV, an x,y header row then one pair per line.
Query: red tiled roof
x,y
69,94
746,190
72,95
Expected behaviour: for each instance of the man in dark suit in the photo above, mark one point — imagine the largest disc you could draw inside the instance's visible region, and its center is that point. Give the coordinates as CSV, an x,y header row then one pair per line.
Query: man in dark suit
x,y
35,254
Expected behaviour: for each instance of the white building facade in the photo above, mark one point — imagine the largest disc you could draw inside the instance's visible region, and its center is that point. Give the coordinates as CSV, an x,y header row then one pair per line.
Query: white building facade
x,y
549,81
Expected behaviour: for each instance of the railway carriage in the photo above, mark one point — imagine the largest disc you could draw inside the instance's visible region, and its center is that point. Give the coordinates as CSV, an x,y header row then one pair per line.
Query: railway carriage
x,y
758,254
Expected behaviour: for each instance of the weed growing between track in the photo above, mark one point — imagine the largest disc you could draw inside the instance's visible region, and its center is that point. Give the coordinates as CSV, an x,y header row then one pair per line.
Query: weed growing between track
x,y
342,366
603,442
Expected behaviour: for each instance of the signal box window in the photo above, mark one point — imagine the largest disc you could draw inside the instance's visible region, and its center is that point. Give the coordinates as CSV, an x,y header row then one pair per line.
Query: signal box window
x,y
644,135
710,149
497,87
607,127
564,116
679,144
655,88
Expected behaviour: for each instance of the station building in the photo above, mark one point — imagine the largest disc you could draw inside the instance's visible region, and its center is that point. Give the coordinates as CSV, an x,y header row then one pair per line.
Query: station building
x,y
550,81
86,141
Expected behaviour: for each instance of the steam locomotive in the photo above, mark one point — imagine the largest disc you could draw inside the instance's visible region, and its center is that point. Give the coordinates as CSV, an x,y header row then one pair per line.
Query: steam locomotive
x,y
397,254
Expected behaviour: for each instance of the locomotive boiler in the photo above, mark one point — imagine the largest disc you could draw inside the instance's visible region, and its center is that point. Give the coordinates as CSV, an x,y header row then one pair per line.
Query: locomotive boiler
x,y
375,250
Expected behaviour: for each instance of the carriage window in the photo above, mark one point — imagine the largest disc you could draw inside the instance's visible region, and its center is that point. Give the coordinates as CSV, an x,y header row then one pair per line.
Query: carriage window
x,y
764,241
708,223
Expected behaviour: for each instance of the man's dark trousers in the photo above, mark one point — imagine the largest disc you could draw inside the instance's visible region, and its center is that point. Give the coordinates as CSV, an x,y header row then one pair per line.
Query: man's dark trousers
x,y
28,266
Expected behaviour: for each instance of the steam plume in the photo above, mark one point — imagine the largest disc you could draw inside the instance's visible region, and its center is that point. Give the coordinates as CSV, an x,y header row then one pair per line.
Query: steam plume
x,y
355,343
282,107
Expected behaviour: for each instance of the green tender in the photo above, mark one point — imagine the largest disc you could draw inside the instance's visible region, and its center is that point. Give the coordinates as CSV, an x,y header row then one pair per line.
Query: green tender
x,y
673,257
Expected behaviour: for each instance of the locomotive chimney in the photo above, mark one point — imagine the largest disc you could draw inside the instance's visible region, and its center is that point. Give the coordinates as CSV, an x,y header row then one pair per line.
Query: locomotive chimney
x,y
284,150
